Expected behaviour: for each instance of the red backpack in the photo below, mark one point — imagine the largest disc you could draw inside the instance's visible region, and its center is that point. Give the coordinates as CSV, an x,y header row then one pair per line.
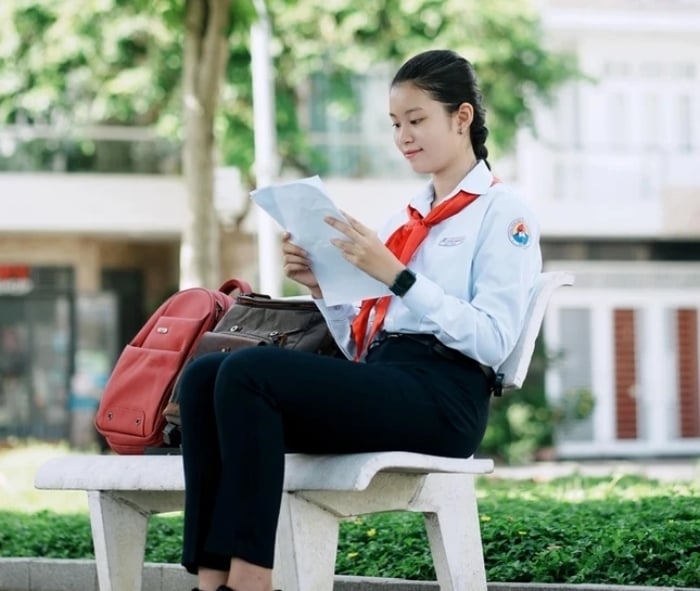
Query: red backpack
x,y
130,414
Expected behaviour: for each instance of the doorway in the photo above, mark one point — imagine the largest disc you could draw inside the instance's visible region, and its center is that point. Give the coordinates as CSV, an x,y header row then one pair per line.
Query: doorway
x,y
36,358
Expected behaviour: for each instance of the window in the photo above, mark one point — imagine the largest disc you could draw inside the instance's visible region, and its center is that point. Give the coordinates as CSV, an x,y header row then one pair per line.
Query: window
x,y
684,123
350,133
652,121
684,70
575,371
618,112
651,70
616,69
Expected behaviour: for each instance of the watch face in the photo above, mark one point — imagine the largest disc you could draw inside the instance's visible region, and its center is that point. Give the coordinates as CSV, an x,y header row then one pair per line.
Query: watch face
x,y
403,282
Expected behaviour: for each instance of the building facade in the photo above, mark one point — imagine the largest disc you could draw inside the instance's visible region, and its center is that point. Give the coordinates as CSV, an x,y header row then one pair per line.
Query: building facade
x,y
612,169
83,258
613,172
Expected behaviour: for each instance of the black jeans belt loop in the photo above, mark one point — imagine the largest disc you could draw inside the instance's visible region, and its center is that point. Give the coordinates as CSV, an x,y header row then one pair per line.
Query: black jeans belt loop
x,y
495,380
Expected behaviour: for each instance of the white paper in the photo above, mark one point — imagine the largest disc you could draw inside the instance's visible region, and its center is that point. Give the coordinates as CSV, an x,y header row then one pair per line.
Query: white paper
x,y
300,208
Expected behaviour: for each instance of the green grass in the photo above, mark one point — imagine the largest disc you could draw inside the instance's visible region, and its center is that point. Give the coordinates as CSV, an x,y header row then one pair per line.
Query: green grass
x,y
623,530
18,464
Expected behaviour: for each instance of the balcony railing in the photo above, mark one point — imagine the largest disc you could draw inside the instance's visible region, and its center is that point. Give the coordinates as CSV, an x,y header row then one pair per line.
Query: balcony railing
x,y
612,193
98,148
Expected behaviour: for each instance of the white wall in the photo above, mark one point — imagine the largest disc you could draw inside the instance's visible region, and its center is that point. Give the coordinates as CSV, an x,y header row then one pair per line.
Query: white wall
x,y
609,156
123,205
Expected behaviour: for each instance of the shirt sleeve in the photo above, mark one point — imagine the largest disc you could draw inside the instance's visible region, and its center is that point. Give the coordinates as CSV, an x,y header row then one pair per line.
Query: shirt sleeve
x,y
339,320
507,261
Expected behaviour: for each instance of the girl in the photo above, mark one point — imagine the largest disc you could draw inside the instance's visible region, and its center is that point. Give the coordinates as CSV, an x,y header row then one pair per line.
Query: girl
x,y
460,260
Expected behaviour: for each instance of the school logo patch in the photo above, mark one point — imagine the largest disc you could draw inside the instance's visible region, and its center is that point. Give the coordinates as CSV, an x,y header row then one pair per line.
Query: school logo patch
x,y
519,233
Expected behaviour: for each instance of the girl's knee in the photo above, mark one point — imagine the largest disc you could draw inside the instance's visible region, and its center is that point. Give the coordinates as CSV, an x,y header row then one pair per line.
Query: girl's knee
x,y
248,363
198,378
246,374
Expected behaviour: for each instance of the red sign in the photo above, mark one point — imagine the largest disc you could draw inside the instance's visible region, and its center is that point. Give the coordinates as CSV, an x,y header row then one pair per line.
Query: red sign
x,y
15,279
15,272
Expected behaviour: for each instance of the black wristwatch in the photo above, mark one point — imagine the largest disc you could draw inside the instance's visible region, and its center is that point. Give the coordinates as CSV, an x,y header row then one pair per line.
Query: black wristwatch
x,y
403,282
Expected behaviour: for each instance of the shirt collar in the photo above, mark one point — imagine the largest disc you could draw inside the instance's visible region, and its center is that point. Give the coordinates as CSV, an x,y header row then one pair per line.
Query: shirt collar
x,y
477,181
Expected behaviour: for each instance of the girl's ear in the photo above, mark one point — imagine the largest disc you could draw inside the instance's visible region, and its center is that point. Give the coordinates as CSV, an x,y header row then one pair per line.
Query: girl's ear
x,y
464,115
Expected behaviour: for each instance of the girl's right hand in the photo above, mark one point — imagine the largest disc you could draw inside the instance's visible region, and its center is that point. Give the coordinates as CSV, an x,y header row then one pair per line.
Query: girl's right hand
x,y
297,266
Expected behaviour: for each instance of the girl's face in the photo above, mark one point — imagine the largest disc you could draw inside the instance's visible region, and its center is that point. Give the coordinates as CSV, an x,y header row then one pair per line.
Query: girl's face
x,y
427,135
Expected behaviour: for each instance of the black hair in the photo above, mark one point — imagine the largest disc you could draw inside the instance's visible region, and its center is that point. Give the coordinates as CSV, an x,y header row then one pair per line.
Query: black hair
x,y
449,79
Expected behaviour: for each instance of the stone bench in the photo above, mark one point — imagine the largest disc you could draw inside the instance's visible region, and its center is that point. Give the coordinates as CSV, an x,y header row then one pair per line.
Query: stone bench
x,y
319,492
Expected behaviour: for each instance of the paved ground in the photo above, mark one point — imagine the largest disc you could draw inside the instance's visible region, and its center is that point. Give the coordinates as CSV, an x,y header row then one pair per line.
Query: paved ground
x,y
667,469
79,575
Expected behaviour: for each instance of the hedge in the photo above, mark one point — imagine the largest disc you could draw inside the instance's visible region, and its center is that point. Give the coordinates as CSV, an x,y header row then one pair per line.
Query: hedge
x,y
626,531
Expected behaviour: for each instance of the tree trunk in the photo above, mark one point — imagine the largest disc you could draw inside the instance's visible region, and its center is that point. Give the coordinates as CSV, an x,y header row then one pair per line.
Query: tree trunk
x,y
206,54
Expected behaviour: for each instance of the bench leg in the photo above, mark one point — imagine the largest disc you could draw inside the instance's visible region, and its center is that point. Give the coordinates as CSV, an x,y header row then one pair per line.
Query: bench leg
x,y
455,539
119,537
306,546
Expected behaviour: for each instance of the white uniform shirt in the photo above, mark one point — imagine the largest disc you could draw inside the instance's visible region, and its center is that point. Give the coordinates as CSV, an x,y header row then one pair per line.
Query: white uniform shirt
x,y
475,273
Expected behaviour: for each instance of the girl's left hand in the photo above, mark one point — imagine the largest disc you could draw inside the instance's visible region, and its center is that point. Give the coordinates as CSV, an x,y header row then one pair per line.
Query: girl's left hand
x,y
363,248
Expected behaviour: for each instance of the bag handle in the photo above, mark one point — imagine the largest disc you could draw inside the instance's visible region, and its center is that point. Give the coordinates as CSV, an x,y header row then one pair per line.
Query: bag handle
x,y
232,284
259,300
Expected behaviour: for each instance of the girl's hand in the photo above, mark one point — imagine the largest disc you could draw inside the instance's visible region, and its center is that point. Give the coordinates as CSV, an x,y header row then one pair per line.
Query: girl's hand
x,y
363,248
297,266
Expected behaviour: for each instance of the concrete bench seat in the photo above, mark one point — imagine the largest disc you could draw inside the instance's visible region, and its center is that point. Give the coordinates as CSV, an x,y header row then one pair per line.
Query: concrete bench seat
x,y
319,492
302,472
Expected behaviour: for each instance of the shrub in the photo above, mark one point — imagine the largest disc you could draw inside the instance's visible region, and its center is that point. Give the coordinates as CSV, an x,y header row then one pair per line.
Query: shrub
x,y
624,531
523,423
45,534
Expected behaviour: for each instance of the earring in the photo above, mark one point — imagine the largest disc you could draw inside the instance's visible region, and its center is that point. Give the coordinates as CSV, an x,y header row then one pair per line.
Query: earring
x,y
460,131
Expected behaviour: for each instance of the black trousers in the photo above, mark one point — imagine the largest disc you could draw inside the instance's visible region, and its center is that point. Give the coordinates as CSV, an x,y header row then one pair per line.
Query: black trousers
x,y
242,411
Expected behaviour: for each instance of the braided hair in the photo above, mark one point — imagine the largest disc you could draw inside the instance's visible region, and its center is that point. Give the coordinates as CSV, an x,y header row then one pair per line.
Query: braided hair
x,y
449,79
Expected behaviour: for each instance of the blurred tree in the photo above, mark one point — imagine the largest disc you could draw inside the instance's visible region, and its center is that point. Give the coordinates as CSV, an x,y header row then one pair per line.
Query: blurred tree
x,y
71,63
184,67
75,62
208,26
502,38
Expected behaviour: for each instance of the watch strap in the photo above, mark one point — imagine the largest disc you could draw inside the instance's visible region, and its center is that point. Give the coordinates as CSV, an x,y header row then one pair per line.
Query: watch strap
x,y
403,282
